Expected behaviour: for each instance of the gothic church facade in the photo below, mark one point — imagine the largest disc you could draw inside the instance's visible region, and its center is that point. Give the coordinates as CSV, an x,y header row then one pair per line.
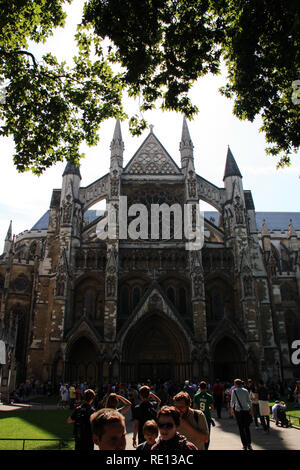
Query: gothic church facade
x,y
75,306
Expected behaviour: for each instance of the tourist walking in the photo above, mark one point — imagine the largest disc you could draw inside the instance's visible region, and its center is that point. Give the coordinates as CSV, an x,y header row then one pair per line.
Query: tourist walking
x,y
297,394
218,394
193,424
253,392
264,407
204,401
168,421
81,419
143,412
241,406
113,402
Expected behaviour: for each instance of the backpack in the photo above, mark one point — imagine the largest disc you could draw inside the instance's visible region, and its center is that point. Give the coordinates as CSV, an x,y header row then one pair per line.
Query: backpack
x,y
82,427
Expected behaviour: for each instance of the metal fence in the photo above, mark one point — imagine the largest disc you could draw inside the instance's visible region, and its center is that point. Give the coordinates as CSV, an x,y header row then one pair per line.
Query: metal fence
x,y
293,419
62,443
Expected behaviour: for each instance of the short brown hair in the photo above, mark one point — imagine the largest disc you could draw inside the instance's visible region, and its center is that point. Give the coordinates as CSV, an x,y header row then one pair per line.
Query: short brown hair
x,y
183,396
144,391
238,382
112,401
203,385
151,427
169,411
89,394
102,417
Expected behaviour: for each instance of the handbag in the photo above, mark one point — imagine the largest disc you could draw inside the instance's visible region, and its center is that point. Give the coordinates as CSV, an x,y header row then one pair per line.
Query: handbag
x,y
249,418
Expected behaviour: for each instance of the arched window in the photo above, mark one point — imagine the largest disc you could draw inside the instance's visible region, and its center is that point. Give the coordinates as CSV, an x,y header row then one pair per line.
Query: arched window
x,y
90,303
136,295
124,307
171,294
217,308
182,301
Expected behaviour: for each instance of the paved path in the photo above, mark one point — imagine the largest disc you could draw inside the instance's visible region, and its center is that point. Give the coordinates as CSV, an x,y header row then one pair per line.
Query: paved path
x,y
224,436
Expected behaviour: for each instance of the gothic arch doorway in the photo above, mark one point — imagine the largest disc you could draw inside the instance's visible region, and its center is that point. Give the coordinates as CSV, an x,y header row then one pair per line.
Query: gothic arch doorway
x,y
155,349
228,359
82,363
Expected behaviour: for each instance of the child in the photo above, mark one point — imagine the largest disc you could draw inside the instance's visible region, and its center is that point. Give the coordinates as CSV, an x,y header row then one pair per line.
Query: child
x,y
150,431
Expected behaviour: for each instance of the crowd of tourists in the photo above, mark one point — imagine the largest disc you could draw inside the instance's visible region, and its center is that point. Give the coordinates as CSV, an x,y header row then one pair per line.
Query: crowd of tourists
x,y
168,416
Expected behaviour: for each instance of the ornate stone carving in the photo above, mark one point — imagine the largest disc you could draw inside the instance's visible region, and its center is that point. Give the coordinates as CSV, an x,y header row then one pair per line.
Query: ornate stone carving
x,y
114,184
152,159
67,210
239,211
192,185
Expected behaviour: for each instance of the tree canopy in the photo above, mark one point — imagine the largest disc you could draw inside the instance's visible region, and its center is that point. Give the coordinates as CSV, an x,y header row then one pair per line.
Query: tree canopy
x,y
162,48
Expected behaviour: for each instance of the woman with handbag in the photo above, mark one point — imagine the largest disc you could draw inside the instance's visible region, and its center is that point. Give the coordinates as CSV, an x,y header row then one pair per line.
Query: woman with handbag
x,y
241,406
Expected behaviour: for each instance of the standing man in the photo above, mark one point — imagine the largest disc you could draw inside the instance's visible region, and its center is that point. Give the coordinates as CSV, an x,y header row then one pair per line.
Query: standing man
x,y
143,412
204,401
264,407
72,396
81,419
241,406
193,424
218,394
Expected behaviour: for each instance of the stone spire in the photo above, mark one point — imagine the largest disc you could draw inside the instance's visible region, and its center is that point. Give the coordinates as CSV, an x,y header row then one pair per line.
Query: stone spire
x,y
186,146
8,240
72,169
231,168
117,147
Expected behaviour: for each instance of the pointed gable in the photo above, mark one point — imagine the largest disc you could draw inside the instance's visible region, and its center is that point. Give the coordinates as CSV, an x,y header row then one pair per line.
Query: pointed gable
x,y
152,159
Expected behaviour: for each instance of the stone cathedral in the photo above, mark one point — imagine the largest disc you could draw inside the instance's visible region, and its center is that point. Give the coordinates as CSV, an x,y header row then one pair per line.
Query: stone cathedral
x,y
75,306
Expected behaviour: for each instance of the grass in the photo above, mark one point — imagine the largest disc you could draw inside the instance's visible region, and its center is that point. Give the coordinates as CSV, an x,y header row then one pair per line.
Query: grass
x,y
35,424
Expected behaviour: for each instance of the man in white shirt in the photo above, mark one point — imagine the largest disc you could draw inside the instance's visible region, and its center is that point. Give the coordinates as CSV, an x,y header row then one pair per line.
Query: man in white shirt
x,y
241,407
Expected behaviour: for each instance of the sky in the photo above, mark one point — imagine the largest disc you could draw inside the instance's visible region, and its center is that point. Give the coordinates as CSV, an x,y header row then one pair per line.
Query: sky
x,y
24,197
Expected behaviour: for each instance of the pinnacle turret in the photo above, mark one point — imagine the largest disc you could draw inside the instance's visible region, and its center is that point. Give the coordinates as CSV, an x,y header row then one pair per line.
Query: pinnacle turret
x,y
117,146
231,168
186,146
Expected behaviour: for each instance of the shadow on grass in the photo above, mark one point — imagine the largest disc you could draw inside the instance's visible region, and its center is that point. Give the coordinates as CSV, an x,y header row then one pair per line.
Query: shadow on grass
x,y
34,424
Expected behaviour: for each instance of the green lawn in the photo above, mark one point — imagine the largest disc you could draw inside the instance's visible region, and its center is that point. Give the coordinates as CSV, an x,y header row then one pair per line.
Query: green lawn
x,y
35,424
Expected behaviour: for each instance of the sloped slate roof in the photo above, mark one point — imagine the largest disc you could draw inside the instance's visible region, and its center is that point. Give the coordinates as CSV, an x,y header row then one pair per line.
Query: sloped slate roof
x,y
274,220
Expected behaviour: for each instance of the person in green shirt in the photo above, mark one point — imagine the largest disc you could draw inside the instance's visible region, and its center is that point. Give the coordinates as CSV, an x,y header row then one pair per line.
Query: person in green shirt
x,y
204,401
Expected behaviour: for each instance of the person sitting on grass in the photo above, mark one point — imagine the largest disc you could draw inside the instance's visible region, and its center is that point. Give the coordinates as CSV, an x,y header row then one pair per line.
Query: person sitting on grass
x,y
150,431
108,429
278,412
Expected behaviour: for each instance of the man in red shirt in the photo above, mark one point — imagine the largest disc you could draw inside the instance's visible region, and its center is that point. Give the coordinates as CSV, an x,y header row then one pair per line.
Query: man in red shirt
x,y
218,394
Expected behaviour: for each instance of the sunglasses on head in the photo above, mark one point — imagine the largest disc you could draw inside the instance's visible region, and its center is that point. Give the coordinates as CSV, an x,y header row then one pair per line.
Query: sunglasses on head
x,y
165,425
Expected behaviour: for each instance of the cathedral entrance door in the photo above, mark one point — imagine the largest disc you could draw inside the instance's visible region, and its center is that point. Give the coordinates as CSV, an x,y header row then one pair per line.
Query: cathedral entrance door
x,y
154,349
81,365
228,360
